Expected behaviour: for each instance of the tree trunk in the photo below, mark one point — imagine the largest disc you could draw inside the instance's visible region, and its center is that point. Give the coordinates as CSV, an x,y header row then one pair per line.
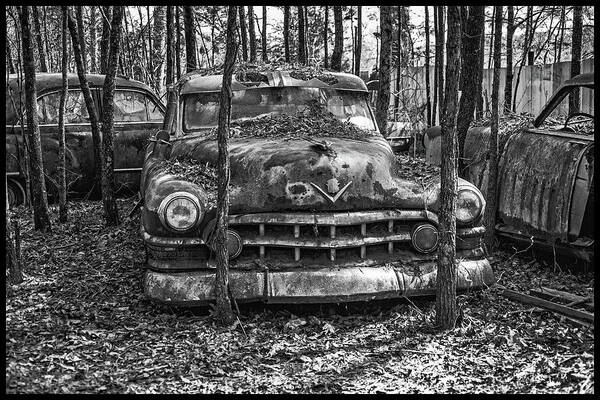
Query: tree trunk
x,y
62,175
46,41
479,92
492,187
325,40
264,34
111,212
159,33
526,44
11,239
436,35
178,43
41,219
575,57
427,63
336,57
9,60
562,33
89,103
81,33
385,63
244,33
106,15
440,48
224,313
510,30
446,311
301,45
491,52
190,38
398,63
472,29
306,22
38,39
93,39
252,34
170,70
358,52
286,33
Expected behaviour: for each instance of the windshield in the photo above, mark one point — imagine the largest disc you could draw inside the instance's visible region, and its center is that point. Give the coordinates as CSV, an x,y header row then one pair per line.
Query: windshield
x,y
579,119
201,110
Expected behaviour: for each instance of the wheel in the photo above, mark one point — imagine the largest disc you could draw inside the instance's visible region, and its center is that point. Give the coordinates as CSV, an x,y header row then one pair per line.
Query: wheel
x,y
16,193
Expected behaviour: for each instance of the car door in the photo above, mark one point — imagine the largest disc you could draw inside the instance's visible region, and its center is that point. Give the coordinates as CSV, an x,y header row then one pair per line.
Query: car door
x,y
137,115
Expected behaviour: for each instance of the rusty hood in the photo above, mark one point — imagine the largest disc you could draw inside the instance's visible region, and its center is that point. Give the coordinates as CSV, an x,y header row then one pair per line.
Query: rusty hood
x,y
314,174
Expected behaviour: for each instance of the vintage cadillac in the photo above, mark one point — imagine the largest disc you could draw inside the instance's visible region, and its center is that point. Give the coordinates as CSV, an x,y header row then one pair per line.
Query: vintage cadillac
x,y
546,173
312,218
138,113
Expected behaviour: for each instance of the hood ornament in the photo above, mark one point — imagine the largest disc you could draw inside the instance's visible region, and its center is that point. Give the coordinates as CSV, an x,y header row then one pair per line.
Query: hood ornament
x,y
336,196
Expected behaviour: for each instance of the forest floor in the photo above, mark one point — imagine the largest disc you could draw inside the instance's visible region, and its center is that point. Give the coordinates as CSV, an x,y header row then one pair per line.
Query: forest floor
x,y
80,323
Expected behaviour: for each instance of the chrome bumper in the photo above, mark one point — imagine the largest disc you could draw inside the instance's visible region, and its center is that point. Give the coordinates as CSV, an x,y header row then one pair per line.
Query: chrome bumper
x,y
319,285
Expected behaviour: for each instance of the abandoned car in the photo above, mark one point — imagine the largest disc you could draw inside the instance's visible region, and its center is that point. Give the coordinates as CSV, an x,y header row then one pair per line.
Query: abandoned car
x,y
138,113
545,172
321,210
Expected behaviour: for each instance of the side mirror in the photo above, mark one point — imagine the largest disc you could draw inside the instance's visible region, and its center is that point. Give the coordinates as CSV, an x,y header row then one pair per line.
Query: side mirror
x,y
161,147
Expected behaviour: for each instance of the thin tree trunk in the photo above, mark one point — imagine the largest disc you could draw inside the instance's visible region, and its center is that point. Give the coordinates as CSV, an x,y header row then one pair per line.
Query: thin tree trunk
x,y
529,31
442,30
562,33
510,30
150,59
264,34
492,186
81,33
325,40
479,82
62,175
46,41
170,75
252,34
492,39
358,52
224,313
436,36
159,33
427,63
93,39
575,57
9,60
89,103
446,310
38,39
473,28
127,39
41,219
306,22
385,63
286,33
13,258
244,33
336,57
178,43
104,40
111,212
301,46
190,39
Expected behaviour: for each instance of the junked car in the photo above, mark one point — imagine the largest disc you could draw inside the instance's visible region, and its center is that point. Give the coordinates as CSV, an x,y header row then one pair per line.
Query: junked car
x,y
321,210
545,172
138,113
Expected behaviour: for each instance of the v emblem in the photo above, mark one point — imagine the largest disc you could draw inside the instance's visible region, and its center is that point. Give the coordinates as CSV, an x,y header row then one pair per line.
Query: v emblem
x,y
337,195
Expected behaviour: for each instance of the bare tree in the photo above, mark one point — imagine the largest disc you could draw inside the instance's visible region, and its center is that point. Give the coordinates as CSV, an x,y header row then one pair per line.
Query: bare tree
x,y
111,212
440,57
12,245
264,34
224,313
157,54
244,32
38,39
435,66
472,30
301,37
479,82
62,175
446,311
325,39
385,64
336,57
575,57
252,33
106,15
41,218
93,39
427,63
510,30
286,33
492,186
171,53
358,51
178,42
190,38
81,34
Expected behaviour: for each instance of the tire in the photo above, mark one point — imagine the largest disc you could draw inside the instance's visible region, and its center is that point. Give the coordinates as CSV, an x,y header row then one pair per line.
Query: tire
x,y
16,193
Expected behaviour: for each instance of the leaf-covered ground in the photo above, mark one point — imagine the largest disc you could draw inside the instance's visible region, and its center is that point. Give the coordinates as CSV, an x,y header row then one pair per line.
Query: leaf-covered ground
x,y
80,323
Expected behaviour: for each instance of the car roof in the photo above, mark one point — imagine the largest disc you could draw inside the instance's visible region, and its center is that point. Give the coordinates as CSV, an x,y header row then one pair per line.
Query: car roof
x,y
195,82
581,80
49,81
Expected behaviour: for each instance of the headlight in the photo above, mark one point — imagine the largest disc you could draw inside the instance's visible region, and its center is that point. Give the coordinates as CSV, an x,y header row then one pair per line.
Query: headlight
x,y
424,238
469,206
180,211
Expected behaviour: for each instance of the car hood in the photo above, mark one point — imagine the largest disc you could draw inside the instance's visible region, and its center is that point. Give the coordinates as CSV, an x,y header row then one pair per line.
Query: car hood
x,y
314,174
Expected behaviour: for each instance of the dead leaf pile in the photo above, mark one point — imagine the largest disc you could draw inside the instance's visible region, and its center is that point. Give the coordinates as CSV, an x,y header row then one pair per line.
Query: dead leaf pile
x,y
202,174
411,168
81,324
